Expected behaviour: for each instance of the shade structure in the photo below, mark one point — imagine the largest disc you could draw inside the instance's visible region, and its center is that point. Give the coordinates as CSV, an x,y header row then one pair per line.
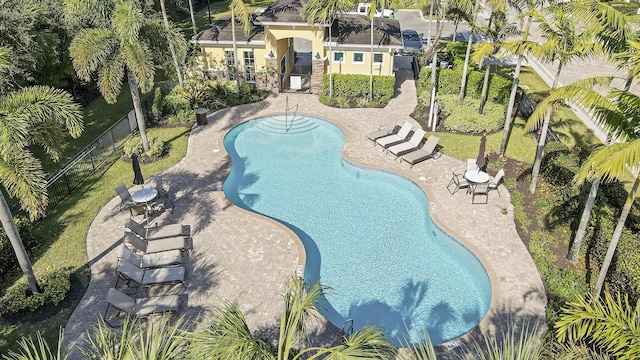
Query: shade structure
x,y
482,159
137,173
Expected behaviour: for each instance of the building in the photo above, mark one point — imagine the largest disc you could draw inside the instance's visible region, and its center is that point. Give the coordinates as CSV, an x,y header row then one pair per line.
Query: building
x,y
282,52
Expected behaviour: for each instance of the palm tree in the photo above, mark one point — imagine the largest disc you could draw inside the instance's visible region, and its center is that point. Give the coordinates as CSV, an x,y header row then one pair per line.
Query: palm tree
x,y
528,9
456,16
130,44
229,336
36,115
174,56
38,349
619,113
611,324
239,9
566,38
193,17
325,12
485,52
471,8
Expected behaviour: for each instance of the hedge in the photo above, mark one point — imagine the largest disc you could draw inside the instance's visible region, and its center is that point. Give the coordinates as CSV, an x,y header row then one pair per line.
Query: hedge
x,y
54,287
347,86
466,119
449,81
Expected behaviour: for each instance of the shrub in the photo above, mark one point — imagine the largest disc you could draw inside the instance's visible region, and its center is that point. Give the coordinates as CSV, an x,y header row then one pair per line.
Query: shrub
x,y
54,287
357,86
559,164
465,118
176,101
30,239
182,117
157,148
449,82
157,107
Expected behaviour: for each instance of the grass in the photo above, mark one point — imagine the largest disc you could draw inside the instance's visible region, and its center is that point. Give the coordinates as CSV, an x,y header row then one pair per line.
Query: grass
x,y
66,227
522,144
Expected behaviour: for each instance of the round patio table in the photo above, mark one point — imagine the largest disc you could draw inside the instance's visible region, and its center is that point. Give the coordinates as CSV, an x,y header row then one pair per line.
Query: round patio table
x,y
476,176
144,196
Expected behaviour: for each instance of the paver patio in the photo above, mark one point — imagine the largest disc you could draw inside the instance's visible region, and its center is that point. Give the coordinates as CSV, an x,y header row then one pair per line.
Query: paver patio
x,y
246,258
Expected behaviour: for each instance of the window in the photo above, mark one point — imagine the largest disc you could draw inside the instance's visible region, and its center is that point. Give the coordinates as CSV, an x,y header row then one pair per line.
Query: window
x,y
358,58
249,62
378,58
338,57
230,64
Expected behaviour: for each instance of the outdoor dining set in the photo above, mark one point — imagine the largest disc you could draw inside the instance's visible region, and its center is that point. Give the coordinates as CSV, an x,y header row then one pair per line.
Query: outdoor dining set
x,y
149,257
408,144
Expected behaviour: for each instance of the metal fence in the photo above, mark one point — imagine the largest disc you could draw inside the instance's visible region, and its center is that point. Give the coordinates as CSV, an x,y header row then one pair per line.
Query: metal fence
x,y
90,159
526,106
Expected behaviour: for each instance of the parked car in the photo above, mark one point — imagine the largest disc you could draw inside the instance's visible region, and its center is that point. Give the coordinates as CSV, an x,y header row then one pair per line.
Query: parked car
x,y
363,9
411,42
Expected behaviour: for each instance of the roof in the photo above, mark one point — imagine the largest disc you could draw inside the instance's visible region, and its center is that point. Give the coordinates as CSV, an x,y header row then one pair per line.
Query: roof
x,y
348,29
353,29
283,11
220,31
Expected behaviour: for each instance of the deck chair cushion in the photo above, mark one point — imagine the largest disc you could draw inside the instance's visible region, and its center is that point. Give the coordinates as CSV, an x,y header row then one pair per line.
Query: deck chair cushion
x,y
412,144
129,271
144,306
391,140
164,258
156,232
426,152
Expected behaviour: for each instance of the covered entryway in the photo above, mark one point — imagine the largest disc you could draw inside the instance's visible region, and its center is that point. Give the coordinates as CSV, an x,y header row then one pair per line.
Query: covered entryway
x,y
406,62
298,78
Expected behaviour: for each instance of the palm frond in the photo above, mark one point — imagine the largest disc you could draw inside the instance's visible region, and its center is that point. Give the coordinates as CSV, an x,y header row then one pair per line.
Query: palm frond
x,y
139,61
609,162
297,309
110,78
90,49
423,350
228,337
519,47
37,350
5,60
482,52
21,174
126,21
110,344
242,14
159,340
517,342
366,343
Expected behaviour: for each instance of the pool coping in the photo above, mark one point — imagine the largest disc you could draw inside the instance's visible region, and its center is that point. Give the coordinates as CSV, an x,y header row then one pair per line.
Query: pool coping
x,y
491,311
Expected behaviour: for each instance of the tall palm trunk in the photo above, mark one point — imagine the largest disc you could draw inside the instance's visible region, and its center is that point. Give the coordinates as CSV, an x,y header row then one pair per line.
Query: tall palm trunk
x,y
137,107
371,61
235,49
176,64
543,137
193,18
14,238
485,87
465,68
514,91
331,62
572,255
455,31
616,237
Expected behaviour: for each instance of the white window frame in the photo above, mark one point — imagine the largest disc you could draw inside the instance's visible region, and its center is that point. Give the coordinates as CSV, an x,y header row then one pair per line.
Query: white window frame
x,y
353,58
230,65
378,62
249,70
333,57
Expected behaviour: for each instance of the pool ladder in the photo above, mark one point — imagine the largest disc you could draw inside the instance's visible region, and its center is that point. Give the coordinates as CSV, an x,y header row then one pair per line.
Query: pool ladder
x,y
286,114
347,327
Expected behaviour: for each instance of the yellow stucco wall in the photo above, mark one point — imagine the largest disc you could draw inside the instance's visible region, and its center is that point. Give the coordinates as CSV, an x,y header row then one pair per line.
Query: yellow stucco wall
x,y
350,66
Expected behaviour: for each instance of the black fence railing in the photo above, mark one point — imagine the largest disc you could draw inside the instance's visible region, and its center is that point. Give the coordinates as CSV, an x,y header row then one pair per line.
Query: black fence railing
x,y
89,160
526,106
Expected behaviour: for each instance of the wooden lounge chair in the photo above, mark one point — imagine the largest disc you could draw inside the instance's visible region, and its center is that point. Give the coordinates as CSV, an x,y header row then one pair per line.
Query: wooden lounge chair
x,y
142,307
406,147
155,246
147,261
428,151
131,273
394,139
155,232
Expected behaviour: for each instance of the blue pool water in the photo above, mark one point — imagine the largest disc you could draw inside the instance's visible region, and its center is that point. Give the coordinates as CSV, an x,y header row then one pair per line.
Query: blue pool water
x,y
367,233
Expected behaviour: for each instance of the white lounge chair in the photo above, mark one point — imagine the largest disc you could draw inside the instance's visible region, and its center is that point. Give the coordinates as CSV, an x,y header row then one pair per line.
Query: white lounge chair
x,y
129,273
147,261
155,246
394,139
412,144
381,132
155,232
495,182
427,151
142,307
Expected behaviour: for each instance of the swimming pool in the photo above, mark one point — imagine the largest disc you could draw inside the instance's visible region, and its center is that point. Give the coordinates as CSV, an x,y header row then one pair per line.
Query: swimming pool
x,y
367,233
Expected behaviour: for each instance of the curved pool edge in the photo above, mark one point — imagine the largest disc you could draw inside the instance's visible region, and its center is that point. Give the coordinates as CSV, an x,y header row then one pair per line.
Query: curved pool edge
x,y
491,311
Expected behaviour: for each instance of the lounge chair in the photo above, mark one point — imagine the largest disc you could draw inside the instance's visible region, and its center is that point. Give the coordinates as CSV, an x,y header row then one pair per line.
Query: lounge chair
x,y
382,131
147,261
427,151
394,139
495,182
155,232
155,246
142,307
131,273
412,144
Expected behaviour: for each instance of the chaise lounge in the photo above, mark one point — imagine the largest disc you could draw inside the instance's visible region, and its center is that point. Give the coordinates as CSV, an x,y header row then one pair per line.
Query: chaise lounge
x,y
406,147
142,307
148,261
129,273
394,139
155,246
428,151
156,232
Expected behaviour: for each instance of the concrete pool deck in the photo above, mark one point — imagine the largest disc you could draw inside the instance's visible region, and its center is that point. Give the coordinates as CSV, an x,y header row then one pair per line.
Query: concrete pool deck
x,y
245,258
